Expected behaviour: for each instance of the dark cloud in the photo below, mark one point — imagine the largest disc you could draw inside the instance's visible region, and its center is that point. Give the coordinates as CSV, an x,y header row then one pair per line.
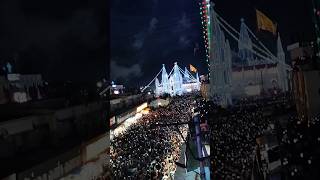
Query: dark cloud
x,y
120,72
139,40
184,41
184,22
152,24
140,37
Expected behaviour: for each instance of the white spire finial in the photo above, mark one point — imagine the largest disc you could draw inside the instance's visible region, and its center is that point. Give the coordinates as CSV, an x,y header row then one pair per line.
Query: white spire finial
x,y
279,45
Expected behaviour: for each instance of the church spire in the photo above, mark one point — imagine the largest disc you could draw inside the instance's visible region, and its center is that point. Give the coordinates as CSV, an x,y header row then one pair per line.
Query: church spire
x,y
220,58
186,74
157,87
279,46
164,80
245,45
282,73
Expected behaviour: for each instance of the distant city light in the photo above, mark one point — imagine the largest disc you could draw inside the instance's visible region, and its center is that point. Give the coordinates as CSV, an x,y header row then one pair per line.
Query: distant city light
x,y
149,93
99,84
20,97
116,92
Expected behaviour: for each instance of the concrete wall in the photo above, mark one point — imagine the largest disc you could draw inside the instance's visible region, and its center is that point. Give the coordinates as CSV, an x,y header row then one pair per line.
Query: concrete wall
x,y
95,147
128,101
3,84
60,128
54,168
263,77
11,177
312,90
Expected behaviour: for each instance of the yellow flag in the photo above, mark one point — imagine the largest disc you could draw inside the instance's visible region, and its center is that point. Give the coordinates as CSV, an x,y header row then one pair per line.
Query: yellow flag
x,y
192,68
265,23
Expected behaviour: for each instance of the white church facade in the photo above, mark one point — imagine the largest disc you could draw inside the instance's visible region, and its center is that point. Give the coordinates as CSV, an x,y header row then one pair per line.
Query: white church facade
x,y
249,76
178,82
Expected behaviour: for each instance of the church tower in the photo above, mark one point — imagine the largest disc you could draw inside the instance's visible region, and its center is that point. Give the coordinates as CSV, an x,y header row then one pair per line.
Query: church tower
x,y
220,63
165,80
158,88
176,81
245,46
282,73
186,74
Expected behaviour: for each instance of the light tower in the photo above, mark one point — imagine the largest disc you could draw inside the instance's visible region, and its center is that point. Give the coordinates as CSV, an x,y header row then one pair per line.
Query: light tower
x,y
282,73
186,74
165,80
158,88
220,63
176,81
245,46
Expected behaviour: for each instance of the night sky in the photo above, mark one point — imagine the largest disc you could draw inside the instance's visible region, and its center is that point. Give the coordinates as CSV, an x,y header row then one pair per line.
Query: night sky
x,y
61,39
148,33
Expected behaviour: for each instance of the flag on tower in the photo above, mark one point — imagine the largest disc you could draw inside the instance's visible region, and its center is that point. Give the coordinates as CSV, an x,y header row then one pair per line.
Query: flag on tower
x,y
192,68
265,23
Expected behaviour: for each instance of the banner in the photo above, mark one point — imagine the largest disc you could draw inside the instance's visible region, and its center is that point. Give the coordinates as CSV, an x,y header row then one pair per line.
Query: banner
x,y
265,23
192,68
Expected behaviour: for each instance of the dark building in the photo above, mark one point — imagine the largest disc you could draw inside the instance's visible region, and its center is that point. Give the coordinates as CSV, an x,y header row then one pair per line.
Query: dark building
x,y
306,78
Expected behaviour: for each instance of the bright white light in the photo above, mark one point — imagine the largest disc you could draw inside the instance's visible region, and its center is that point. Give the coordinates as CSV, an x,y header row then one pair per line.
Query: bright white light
x,y
159,103
99,84
114,85
141,107
189,90
126,124
20,97
116,92
149,93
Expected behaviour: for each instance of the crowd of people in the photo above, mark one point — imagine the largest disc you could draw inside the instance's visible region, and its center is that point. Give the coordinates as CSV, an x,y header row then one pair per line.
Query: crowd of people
x,y
300,148
233,140
149,148
233,133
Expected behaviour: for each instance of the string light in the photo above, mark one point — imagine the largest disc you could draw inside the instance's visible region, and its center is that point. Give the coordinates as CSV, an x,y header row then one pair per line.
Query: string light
x,y
204,14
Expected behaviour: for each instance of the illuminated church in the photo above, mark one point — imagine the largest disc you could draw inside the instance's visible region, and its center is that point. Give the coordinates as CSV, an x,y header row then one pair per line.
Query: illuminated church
x,y
177,82
243,73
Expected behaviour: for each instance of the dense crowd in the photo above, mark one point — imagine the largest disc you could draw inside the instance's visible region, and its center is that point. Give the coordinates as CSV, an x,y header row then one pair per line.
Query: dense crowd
x,y
234,139
300,142
233,136
234,133
149,149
